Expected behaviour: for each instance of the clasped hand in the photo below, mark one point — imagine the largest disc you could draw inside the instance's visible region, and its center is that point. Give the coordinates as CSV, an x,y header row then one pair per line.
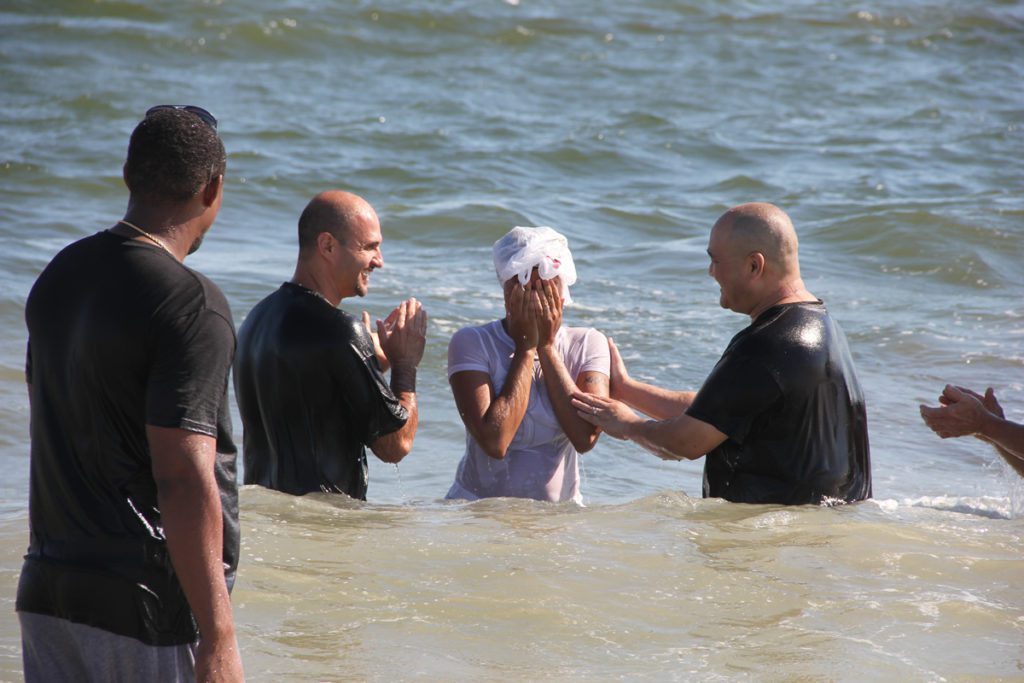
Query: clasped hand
x,y
963,412
403,334
533,312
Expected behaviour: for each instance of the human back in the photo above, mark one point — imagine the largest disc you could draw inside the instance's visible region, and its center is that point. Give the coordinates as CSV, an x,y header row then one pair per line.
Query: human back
x,y
788,397
321,401
108,306
133,507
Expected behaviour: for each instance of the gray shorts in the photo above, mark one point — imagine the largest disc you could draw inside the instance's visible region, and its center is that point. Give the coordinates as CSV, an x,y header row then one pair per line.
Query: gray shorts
x,y
55,649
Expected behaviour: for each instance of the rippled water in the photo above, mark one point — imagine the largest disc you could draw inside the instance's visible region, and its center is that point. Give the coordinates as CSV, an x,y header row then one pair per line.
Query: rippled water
x,y
891,133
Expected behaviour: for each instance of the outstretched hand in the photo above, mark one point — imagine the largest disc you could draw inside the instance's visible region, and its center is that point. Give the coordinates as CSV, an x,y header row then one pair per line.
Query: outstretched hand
x,y
613,417
403,334
988,400
962,412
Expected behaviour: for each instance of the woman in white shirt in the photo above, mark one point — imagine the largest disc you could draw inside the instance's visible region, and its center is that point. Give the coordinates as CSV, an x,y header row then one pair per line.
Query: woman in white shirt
x,y
513,379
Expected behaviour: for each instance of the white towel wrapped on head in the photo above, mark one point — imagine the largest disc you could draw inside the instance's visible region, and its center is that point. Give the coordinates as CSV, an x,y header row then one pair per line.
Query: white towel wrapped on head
x,y
523,249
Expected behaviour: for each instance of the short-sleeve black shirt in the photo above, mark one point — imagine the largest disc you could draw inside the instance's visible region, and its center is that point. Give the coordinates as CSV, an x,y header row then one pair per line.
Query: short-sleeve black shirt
x,y
786,394
311,395
121,336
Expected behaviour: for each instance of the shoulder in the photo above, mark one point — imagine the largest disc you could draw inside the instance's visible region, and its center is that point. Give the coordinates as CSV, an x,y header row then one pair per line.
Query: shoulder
x,y
791,343
783,327
290,307
479,347
266,312
214,298
83,254
475,334
270,301
800,313
191,296
350,330
183,291
350,327
589,334
585,349
587,338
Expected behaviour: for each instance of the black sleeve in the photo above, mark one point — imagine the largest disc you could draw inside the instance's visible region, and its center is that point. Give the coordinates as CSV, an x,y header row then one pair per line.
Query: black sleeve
x,y
189,373
736,392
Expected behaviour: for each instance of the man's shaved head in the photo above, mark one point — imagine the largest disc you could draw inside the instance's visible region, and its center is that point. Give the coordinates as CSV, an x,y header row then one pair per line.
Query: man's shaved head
x,y
334,211
764,228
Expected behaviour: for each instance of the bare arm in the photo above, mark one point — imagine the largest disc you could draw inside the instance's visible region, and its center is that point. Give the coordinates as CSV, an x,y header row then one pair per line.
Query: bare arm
x,y
190,510
1008,439
493,419
656,402
678,438
395,446
561,389
402,338
966,413
557,380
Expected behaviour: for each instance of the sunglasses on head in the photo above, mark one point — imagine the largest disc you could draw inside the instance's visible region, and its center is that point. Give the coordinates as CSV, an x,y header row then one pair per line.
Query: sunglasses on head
x,y
206,116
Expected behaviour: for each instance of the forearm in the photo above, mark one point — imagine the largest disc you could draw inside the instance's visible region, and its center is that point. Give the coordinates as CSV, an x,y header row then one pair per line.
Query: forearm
x,y
501,419
661,404
561,387
403,386
654,437
1014,460
1008,439
190,511
393,447
679,438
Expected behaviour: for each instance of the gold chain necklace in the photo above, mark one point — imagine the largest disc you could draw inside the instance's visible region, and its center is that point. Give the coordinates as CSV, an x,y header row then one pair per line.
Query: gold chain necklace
x,y
153,238
310,290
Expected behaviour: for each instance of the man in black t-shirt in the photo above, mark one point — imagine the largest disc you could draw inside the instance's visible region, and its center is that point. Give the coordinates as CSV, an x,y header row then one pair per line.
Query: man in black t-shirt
x,y
781,417
308,377
133,500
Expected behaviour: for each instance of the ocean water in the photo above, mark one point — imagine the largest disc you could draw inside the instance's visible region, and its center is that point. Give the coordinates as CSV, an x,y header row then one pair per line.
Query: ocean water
x,y
892,134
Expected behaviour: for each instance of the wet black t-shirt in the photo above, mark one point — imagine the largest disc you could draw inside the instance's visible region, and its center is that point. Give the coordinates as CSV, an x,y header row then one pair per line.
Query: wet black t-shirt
x,y
311,395
121,335
786,394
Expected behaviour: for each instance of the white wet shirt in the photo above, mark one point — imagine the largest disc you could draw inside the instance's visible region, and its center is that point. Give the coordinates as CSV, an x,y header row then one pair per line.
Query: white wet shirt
x,y
541,462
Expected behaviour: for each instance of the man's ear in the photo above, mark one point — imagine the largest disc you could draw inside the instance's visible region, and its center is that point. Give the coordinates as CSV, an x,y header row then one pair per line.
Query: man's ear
x,y
756,263
213,189
325,243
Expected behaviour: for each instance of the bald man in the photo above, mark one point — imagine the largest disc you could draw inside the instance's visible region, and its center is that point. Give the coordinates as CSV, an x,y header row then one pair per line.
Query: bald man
x,y
781,417
308,377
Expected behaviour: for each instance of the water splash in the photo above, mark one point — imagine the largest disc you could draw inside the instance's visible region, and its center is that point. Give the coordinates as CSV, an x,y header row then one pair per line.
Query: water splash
x,y
1016,485
401,486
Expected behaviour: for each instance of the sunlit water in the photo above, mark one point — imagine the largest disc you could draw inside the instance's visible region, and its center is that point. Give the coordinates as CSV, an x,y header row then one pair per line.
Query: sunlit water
x,y
890,132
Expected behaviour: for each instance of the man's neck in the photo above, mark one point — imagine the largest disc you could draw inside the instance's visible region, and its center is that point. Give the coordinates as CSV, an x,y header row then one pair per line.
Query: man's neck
x,y
789,292
309,278
164,228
